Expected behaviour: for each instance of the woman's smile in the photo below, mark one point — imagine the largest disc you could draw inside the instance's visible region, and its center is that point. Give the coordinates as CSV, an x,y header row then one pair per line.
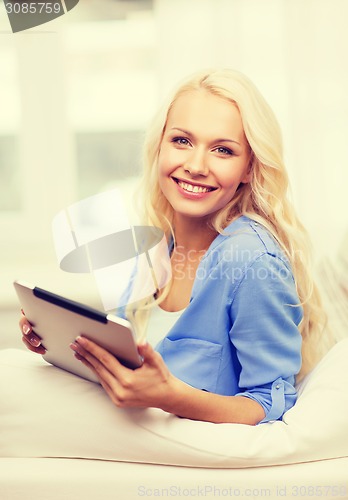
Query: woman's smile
x,y
189,188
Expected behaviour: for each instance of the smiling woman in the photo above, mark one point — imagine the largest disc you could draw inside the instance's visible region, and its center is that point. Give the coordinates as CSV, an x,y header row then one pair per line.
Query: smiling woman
x,y
248,316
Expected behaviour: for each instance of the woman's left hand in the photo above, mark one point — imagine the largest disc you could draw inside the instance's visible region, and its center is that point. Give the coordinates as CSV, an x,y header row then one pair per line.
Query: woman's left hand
x,y
147,386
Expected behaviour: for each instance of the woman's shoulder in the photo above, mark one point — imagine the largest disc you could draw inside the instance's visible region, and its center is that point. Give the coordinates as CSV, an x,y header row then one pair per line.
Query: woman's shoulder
x,y
245,240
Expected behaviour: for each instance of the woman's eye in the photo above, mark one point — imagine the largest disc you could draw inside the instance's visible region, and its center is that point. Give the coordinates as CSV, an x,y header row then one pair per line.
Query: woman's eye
x,y
182,141
224,151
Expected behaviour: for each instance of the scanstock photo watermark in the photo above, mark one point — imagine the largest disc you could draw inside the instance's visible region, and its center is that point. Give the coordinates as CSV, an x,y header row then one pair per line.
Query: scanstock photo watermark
x,y
299,491
24,15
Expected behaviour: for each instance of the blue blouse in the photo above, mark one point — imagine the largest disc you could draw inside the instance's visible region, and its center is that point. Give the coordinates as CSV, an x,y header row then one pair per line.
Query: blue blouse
x,y
239,334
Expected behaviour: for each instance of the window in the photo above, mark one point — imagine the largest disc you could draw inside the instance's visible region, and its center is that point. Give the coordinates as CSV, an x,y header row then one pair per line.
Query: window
x,y
74,104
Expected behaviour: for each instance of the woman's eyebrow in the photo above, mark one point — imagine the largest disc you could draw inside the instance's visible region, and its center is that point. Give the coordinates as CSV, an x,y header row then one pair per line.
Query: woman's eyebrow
x,y
215,140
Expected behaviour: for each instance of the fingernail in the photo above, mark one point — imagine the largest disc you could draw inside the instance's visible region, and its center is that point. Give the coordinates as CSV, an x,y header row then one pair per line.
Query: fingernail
x,y
26,329
34,341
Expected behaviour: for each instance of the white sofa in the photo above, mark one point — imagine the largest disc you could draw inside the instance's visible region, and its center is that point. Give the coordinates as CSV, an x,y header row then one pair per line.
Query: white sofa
x,y
61,437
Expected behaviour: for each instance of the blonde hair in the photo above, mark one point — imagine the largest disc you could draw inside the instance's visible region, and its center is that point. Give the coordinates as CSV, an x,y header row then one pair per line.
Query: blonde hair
x,y
264,199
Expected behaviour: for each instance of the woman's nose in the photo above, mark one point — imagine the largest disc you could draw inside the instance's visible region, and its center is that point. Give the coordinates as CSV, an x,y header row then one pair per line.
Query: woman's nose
x,y
197,164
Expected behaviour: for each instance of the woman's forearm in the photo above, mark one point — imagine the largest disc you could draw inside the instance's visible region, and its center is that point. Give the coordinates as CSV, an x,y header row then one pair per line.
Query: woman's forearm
x,y
189,402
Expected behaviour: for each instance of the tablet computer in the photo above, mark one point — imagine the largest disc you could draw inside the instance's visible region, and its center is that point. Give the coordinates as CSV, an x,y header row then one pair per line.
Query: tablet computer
x,y
58,321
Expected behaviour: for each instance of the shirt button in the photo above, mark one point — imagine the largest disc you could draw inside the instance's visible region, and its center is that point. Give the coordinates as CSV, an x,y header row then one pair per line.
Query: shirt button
x,y
277,386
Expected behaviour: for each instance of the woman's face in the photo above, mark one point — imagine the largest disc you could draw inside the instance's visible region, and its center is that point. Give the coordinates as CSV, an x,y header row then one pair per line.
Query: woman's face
x,y
204,154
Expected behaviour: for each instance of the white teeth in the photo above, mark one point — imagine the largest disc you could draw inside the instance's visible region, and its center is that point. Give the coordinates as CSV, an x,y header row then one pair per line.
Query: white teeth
x,y
193,189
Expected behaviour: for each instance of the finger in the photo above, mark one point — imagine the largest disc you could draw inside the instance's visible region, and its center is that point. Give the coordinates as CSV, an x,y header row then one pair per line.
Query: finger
x,y
103,357
27,331
25,326
31,337
38,349
91,367
150,356
92,362
107,381
83,360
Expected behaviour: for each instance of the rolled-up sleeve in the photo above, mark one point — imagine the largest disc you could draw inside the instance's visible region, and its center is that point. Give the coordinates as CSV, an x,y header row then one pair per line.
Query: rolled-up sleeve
x,y
265,314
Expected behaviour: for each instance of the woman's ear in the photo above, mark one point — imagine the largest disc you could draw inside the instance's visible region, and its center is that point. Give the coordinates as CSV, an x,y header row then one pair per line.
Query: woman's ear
x,y
249,173
247,177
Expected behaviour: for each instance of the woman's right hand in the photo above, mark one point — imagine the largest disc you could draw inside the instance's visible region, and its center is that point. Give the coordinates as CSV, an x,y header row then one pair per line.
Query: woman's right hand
x,y
30,339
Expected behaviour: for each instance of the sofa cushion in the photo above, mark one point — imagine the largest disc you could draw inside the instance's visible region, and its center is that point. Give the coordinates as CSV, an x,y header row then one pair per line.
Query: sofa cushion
x,y
46,412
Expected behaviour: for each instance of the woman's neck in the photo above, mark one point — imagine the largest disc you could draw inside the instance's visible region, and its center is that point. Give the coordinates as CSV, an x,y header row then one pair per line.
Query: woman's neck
x,y
193,234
